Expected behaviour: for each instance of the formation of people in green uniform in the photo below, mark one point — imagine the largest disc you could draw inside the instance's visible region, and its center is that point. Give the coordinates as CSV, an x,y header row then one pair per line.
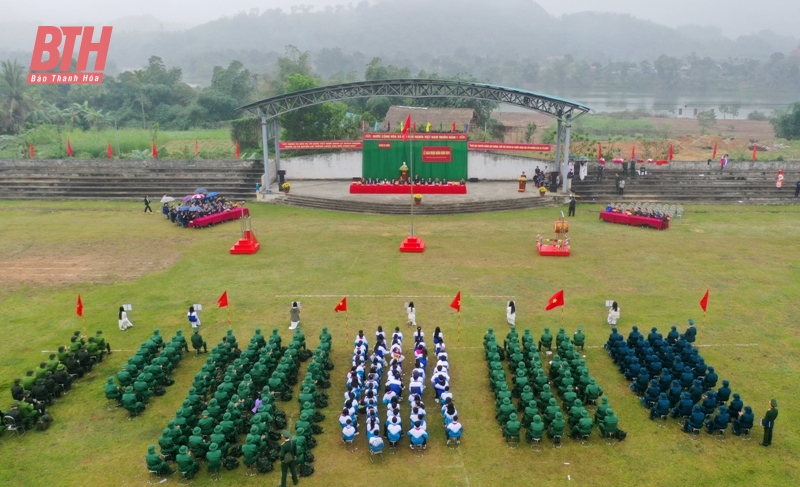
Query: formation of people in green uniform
x,y
536,391
42,386
235,394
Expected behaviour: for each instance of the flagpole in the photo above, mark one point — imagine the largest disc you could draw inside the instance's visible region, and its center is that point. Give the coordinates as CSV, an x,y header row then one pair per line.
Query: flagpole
x,y
459,328
346,334
84,324
562,316
411,158
229,316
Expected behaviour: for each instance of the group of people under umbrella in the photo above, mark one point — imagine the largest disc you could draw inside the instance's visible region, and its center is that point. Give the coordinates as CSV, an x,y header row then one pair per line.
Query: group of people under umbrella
x,y
199,204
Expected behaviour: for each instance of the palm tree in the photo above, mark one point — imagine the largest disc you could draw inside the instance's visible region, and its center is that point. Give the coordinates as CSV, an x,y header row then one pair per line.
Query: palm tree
x,y
14,99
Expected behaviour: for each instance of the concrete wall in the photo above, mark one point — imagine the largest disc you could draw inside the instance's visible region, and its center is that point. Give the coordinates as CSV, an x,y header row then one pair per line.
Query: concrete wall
x,y
489,166
342,165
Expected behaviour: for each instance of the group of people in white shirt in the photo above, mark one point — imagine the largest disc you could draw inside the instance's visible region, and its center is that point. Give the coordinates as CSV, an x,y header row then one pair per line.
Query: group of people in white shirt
x,y
363,390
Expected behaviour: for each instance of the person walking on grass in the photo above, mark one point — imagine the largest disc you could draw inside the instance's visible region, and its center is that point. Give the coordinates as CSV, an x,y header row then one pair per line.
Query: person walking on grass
x,y
147,205
124,322
572,204
294,315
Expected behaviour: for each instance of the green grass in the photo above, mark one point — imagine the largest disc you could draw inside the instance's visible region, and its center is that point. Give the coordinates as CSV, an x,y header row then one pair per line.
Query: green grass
x,y
746,255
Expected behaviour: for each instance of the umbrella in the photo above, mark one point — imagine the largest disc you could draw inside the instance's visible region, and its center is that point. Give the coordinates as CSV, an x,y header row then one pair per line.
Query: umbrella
x,y
167,199
183,208
195,208
211,195
197,197
186,198
200,190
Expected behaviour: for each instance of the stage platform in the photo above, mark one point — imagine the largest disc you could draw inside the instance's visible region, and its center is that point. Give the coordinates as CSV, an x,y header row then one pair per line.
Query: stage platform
x,y
481,197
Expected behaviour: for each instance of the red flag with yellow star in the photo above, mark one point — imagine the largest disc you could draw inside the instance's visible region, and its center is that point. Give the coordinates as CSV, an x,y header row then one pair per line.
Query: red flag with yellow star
x,y
555,301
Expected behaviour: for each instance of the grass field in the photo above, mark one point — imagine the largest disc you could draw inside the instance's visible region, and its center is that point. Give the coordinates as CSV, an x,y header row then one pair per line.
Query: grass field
x,y
112,254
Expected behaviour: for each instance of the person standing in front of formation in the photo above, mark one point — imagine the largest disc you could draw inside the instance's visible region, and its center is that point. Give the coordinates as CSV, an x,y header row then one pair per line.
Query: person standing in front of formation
x,y
412,314
511,313
779,179
294,315
572,204
147,205
613,314
621,186
124,322
194,320
769,422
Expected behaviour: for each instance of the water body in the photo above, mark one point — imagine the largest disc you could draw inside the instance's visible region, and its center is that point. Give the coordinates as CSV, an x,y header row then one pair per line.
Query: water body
x,y
675,104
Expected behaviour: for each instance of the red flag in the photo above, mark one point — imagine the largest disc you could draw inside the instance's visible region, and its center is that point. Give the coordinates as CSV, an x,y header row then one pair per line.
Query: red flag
x,y
704,302
633,152
79,307
109,151
555,301
755,151
415,126
406,126
342,306
671,152
31,151
454,126
456,304
154,150
714,155
196,149
69,149
599,151
237,152
223,300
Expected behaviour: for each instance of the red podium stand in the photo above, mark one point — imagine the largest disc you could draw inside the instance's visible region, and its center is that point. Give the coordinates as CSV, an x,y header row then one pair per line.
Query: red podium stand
x,y
412,244
247,244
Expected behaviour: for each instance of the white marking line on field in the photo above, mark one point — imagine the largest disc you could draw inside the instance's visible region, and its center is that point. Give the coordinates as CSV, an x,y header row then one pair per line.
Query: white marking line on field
x,y
449,296
56,351
708,345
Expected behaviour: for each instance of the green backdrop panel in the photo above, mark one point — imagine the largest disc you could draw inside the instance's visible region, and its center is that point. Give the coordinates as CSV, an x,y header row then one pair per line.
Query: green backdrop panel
x,y
385,163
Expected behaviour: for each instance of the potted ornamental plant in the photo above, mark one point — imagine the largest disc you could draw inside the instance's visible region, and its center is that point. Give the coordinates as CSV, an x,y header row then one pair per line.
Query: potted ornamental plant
x,y
417,198
542,190
286,187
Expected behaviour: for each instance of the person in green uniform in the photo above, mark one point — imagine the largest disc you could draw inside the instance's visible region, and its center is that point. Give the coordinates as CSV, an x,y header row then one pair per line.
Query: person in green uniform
x,y
250,452
546,340
214,458
769,422
504,411
155,463
512,427
610,423
584,426
578,339
557,426
112,391
536,429
288,457
186,464
197,444
198,342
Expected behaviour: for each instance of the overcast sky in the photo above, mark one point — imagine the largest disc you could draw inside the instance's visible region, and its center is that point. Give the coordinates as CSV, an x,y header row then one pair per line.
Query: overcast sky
x,y
734,17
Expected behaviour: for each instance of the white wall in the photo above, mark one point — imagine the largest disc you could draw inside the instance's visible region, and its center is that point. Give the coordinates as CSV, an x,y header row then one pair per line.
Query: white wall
x,y
485,165
342,165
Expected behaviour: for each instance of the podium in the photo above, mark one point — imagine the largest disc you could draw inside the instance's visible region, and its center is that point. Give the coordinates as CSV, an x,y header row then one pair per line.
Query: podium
x,y
412,244
248,244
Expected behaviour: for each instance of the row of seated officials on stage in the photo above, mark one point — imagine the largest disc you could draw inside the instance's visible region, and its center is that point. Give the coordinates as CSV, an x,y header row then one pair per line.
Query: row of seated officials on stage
x,y
672,379
364,391
52,379
417,180
537,409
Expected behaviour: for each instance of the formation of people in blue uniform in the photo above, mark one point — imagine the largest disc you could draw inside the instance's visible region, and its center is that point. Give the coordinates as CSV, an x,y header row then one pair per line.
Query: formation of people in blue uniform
x,y
363,393
673,380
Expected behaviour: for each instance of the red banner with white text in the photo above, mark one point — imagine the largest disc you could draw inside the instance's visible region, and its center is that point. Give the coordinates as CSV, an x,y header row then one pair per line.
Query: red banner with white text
x,y
437,154
413,136
509,147
322,144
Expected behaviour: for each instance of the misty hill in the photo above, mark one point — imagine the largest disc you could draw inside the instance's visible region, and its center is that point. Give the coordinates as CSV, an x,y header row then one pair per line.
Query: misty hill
x,y
414,33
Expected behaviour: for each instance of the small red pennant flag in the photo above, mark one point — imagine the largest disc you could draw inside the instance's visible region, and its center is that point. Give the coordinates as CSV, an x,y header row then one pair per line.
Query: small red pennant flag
x,y
196,149
79,307
223,300
69,149
755,151
109,151
406,126
342,306
633,152
714,155
704,302
456,304
31,151
671,152
237,152
154,150
555,301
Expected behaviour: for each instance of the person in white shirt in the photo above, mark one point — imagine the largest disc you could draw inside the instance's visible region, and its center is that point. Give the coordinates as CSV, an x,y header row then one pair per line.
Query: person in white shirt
x,y
294,315
345,417
387,397
454,429
412,314
419,335
375,441
419,370
360,338
348,432
613,314
394,430
418,436
440,370
416,386
443,362
511,313
445,395
194,320
380,335
397,336
124,322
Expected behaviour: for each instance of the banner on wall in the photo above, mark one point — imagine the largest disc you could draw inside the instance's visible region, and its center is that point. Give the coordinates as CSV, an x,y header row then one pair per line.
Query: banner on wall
x,y
509,147
437,154
322,144
413,136
384,145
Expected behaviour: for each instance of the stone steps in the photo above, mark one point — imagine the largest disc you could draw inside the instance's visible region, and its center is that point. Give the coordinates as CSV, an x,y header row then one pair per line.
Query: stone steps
x,y
350,206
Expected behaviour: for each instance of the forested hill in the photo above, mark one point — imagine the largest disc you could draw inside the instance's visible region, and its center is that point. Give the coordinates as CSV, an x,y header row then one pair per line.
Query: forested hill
x,y
414,32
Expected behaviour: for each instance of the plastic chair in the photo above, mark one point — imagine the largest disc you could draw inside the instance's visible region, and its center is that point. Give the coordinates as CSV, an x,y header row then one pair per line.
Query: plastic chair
x,y
610,439
719,435
453,443
682,420
393,447
585,440
661,420
215,475
252,470
418,450
694,433
745,434
155,477
557,441
374,453
536,444
185,480
512,442
349,447
12,425
112,404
